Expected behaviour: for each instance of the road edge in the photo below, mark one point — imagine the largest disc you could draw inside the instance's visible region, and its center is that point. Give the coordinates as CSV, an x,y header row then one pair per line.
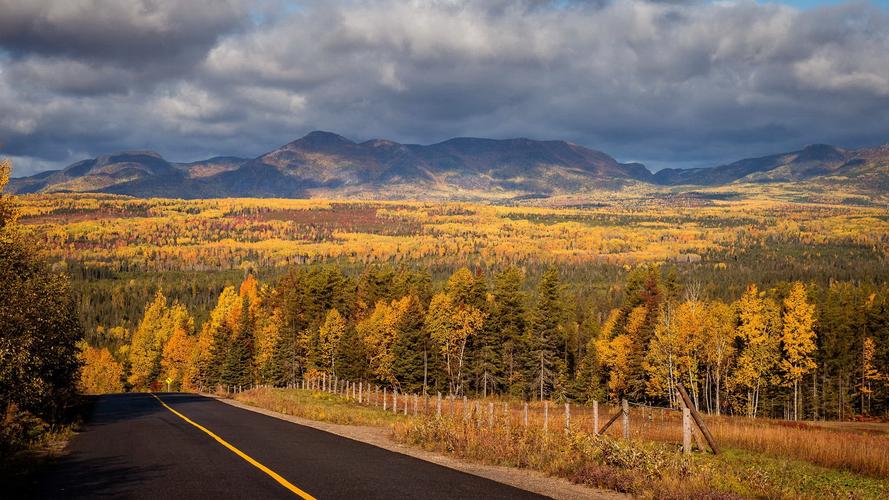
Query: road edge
x,y
525,479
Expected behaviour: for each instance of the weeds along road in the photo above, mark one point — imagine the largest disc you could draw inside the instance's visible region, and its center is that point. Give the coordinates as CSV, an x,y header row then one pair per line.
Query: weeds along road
x,y
186,446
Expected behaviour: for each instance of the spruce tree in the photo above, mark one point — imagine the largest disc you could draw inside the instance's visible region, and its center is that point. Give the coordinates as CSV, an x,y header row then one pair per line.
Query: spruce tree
x,y
411,348
545,336
237,367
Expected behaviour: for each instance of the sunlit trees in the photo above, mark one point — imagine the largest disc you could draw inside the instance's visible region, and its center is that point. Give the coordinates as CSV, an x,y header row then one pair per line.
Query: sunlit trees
x,y
797,340
148,342
178,357
661,360
214,338
329,336
757,335
101,373
718,347
869,374
450,322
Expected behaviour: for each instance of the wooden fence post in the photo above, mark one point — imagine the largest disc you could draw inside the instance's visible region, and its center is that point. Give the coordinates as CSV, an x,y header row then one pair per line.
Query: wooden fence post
x,y
625,410
438,405
405,404
395,400
384,399
567,417
525,415
697,418
595,418
545,416
686,430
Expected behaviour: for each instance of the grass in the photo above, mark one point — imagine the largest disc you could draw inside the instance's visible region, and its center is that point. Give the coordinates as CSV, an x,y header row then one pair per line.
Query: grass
x,y
760,459
315,405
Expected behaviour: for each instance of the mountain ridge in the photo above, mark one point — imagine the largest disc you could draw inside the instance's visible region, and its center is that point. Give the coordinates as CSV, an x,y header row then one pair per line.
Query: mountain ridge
x,y
324,163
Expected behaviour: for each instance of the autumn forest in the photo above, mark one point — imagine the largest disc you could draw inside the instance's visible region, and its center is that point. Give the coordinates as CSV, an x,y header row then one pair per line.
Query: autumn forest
x,y
760,307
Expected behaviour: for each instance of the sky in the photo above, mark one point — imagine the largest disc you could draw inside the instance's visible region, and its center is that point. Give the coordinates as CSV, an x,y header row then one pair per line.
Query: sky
x,y
669,83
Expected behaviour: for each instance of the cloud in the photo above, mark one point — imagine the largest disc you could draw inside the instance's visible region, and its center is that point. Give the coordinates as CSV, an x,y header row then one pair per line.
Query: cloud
x,y
662,82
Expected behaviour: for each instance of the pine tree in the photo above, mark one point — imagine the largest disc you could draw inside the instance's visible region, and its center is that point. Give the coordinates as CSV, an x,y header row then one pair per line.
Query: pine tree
x,y
506,326
545,335
411,348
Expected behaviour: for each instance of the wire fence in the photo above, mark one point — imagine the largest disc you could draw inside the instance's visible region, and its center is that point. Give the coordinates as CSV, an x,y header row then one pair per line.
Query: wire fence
x,y
628,420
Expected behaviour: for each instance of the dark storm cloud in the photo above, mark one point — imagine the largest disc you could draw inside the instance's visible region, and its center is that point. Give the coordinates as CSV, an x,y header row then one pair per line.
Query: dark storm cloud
x,y
661,82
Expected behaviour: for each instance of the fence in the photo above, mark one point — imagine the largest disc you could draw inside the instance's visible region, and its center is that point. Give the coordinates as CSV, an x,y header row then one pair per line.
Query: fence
x,y
628,420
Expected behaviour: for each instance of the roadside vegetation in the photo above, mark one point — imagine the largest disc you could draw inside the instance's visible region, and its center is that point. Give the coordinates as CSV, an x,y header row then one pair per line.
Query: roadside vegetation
x,y
39,331
646,465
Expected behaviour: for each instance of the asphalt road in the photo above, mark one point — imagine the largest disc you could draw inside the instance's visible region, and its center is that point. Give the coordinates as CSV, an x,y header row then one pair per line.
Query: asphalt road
x,y
134,447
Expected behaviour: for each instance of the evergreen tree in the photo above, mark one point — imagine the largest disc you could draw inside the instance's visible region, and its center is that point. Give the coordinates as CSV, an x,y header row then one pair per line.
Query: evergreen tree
x,y
237,369
411,348
545,335
506,326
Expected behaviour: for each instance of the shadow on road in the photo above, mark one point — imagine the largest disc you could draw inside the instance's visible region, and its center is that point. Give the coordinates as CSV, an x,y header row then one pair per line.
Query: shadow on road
x,y
76,477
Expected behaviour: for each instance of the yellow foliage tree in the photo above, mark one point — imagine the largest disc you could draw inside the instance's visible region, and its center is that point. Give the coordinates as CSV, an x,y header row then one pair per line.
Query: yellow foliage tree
x,y
148,342
797,340
101,373
329,335
718,346
450,325
179,352
615,352
759,345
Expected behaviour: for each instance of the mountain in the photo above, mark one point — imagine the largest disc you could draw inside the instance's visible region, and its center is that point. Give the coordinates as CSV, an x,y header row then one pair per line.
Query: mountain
x,y
323,164
327,164
97,174
819,163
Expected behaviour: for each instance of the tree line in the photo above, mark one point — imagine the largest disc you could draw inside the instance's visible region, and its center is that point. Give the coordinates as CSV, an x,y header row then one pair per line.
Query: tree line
x,y
795,350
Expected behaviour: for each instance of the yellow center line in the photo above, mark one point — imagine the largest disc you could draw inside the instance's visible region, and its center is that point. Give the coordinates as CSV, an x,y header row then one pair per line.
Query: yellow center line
x,y
274,475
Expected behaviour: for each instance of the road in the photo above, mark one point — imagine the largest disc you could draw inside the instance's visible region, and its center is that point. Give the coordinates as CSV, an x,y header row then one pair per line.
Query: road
x,y
134,446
